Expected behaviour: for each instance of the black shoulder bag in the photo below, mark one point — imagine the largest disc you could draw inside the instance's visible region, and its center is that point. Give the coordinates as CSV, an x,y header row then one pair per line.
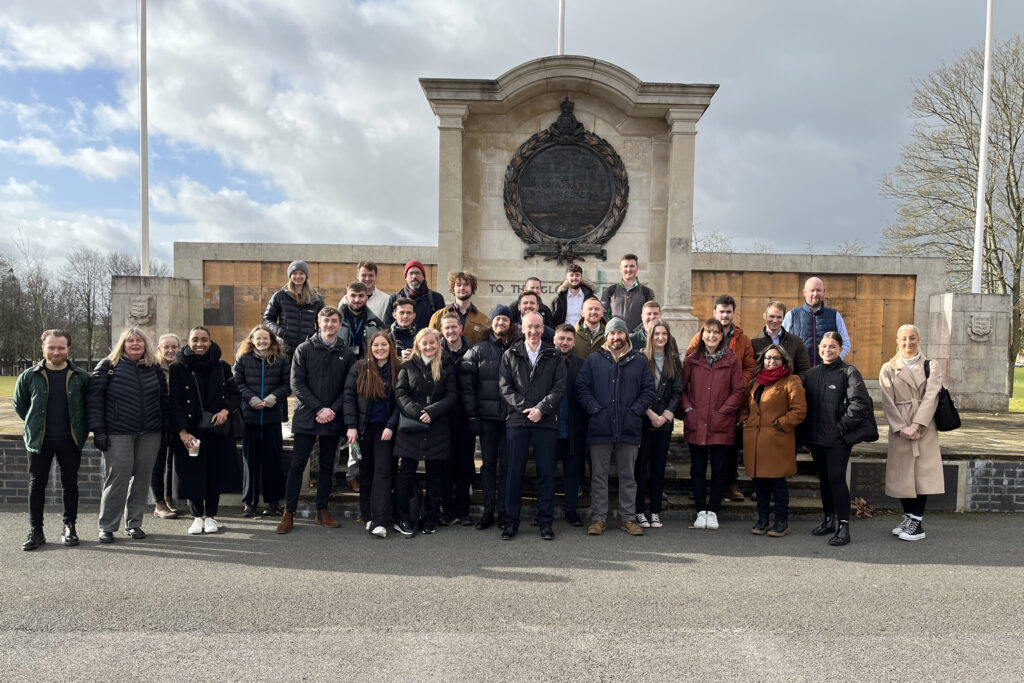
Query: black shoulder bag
x,y
947,417
206,421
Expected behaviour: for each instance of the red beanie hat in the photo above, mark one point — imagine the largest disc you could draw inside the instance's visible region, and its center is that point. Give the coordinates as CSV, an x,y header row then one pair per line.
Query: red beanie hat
x,y
414,264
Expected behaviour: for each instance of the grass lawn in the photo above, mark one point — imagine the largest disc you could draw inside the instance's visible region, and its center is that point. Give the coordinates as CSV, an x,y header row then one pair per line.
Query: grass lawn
x,y
1017,402
7,386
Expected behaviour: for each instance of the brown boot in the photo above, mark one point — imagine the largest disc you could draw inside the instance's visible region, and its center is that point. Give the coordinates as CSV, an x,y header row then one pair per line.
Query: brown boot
x,y
323,518
173,507
285,525
732,492
164,512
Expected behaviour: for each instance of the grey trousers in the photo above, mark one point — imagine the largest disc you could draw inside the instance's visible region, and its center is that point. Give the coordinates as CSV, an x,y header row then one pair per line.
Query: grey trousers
x,y
129,465
600,464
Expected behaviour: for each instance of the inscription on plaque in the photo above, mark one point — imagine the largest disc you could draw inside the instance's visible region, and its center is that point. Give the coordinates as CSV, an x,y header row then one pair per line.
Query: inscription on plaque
x,y
566,191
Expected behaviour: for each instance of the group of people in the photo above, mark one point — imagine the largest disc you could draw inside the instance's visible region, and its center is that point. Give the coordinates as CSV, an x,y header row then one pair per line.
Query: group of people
x,y
405,378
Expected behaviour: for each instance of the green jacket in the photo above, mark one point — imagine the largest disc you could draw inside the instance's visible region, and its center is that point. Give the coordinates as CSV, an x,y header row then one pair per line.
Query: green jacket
x,y
30,394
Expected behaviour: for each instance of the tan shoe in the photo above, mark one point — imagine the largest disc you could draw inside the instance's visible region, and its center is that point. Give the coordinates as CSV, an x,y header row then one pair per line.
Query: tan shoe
x,y
354,485
164,512
632,528
285,525
732,492
323,518
596,529
173,507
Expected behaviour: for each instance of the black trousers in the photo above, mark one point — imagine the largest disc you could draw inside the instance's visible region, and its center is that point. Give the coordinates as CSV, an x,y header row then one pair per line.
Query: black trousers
x,y
699,457
649,471
544,441
914,506
205,508
406,488
302,446
573,451
494,452
261,464
831,463
459,469
772,490
376,474
69,457
163,468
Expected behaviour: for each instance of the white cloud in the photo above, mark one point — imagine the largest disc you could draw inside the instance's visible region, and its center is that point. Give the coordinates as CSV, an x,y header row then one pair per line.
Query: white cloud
x,y
110,163
21,190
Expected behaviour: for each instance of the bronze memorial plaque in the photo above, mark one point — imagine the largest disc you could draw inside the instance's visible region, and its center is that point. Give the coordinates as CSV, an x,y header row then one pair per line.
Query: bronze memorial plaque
x,y
566,191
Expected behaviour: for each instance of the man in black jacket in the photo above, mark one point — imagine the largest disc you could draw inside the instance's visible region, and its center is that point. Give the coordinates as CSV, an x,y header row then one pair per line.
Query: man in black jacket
x,y
532,382
572,425
775,333
425,301
568,304
459,468
319,368
615,386
358,322
486,410
532,284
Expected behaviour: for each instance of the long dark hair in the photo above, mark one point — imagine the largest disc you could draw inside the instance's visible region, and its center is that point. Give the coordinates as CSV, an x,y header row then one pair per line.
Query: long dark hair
x,y
671,358
787,362
369,385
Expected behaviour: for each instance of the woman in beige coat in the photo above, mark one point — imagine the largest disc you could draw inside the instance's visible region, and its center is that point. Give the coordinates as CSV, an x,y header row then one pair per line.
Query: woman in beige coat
x,y
913,469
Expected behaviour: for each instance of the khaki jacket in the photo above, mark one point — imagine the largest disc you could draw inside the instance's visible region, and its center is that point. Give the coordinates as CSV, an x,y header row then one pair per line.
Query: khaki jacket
x,y
913,467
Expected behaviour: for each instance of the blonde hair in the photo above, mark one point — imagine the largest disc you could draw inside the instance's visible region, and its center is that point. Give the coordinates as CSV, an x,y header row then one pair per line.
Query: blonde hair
x,y
117,353
435,364
305,295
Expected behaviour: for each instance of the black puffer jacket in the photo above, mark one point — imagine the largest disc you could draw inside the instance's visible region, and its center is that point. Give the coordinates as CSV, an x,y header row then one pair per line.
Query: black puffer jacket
x,y
357,408
289,321
127,398
838,405
256,378
523,387
478,380
668,392
318,381
417,391
457,359
200,383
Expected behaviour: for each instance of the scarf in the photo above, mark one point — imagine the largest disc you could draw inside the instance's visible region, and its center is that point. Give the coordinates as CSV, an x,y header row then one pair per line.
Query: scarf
x,y
415,293
768,377
713,358
200,362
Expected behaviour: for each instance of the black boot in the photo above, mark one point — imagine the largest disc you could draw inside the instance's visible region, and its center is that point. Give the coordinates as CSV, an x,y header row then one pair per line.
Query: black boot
x,y
842,536
69,537
780,528
826,527
35,539
760,526
486,520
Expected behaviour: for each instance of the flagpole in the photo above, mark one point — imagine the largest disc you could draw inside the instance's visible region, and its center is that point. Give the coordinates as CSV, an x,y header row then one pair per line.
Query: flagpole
x,y
143,146
979,212
561,27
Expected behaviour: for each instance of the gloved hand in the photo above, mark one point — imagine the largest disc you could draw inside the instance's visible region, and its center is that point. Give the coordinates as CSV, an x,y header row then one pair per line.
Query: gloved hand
x,y
254,401
101,440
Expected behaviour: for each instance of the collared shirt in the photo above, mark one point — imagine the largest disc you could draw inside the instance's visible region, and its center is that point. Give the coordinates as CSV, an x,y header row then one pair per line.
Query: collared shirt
x,y
532,353
573,306
628,288
774,337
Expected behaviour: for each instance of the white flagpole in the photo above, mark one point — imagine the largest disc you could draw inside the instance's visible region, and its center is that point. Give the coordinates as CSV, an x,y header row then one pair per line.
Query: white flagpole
x,y
561,27
143,145
979,212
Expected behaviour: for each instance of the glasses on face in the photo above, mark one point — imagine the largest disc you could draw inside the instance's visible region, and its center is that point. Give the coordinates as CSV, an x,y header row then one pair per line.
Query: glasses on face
x,y
772,359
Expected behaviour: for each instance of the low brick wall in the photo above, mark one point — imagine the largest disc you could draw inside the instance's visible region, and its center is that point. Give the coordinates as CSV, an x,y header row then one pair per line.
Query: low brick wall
x,y
995,485
14,469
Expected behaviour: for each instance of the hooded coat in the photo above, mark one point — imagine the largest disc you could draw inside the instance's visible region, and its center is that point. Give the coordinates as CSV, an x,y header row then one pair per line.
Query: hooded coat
x,y
715,395
615,394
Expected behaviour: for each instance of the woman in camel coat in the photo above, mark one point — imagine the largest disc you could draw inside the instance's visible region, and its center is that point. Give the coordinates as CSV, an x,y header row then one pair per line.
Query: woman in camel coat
x,y
775,406
913,469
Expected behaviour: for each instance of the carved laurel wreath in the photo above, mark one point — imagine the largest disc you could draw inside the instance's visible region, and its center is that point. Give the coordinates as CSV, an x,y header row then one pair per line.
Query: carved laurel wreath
x,y
551,137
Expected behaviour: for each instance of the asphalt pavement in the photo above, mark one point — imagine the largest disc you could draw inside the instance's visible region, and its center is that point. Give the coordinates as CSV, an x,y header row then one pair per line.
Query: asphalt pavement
x,y
676,604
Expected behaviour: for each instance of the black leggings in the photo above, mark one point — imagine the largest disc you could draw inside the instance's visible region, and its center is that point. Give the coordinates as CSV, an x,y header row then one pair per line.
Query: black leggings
x,y
831,462
914,506
699,456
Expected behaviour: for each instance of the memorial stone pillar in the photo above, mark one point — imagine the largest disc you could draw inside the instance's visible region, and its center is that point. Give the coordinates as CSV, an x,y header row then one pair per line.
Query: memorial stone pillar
x,y
676,308
449,208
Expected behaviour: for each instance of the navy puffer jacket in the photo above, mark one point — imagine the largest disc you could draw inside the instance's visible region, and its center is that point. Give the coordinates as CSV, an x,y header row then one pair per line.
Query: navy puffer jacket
x,y
291,322
256,378
127,398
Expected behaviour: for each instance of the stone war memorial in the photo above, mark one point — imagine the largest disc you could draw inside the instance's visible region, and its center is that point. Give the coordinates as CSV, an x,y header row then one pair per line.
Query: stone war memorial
x,y
571,159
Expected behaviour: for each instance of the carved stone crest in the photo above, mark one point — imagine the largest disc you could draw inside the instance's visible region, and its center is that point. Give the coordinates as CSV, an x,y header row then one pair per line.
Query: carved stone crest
x,y
979,326
140,310
566,191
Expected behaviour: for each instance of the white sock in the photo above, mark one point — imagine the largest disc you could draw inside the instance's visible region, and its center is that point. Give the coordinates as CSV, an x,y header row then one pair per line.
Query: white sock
x,y
915,517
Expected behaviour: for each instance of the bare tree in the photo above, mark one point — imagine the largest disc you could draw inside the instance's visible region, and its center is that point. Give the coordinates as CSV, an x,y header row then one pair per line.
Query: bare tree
x,y
854,247
712,242
763,247
12,315
86,273
935,183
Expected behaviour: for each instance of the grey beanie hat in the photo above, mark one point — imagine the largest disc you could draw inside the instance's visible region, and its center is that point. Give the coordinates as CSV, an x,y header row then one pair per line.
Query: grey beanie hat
x,y
616,324
298,265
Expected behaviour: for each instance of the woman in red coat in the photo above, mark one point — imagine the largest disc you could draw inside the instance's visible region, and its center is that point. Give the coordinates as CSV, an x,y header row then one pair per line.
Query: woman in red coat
x,y
712,397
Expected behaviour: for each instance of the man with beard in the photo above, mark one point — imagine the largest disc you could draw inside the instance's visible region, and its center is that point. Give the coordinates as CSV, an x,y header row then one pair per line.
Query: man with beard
x,y
529,302
403,330
590,328
532,383
572,425
358,321
568,305
474,324
425,301
485,409
615,386
459,468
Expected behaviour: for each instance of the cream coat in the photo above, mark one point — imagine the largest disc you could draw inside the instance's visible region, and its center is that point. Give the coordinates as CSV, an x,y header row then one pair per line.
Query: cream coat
x,y
913,467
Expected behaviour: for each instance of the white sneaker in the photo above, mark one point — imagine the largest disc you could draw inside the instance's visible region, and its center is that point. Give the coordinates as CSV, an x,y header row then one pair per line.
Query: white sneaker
x,y
702,520
197,526
380,531
712,520
641,519
210,526
901,526
656,520
369,525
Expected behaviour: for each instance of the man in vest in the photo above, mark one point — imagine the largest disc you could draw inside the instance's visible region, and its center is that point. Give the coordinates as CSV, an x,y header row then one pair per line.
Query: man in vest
x,y
814,319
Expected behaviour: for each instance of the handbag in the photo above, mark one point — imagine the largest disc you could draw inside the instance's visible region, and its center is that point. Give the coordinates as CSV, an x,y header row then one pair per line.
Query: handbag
x,y
947,417
410,424
206,421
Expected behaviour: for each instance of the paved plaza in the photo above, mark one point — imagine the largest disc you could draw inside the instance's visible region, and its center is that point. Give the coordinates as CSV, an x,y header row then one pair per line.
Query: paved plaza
x,y
677,604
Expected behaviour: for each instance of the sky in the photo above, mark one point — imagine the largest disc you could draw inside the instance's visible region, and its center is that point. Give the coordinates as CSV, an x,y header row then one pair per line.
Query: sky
x,y
304,120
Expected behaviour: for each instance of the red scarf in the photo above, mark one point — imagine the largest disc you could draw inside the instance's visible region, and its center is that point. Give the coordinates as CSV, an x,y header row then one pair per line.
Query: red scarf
x,y
768,377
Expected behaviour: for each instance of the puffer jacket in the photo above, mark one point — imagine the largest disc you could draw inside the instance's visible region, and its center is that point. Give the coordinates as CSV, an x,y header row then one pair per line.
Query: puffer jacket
x,y
541,386
30,397
290,322
357,408
615,395
417,391
318,381
715,395
256,378
127,398
838,405
457,358
667,395
478,380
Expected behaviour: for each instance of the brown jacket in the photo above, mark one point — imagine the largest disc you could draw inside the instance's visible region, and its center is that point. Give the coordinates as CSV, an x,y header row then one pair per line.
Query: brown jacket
x,y
477,324
769,426
913,467
741,346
